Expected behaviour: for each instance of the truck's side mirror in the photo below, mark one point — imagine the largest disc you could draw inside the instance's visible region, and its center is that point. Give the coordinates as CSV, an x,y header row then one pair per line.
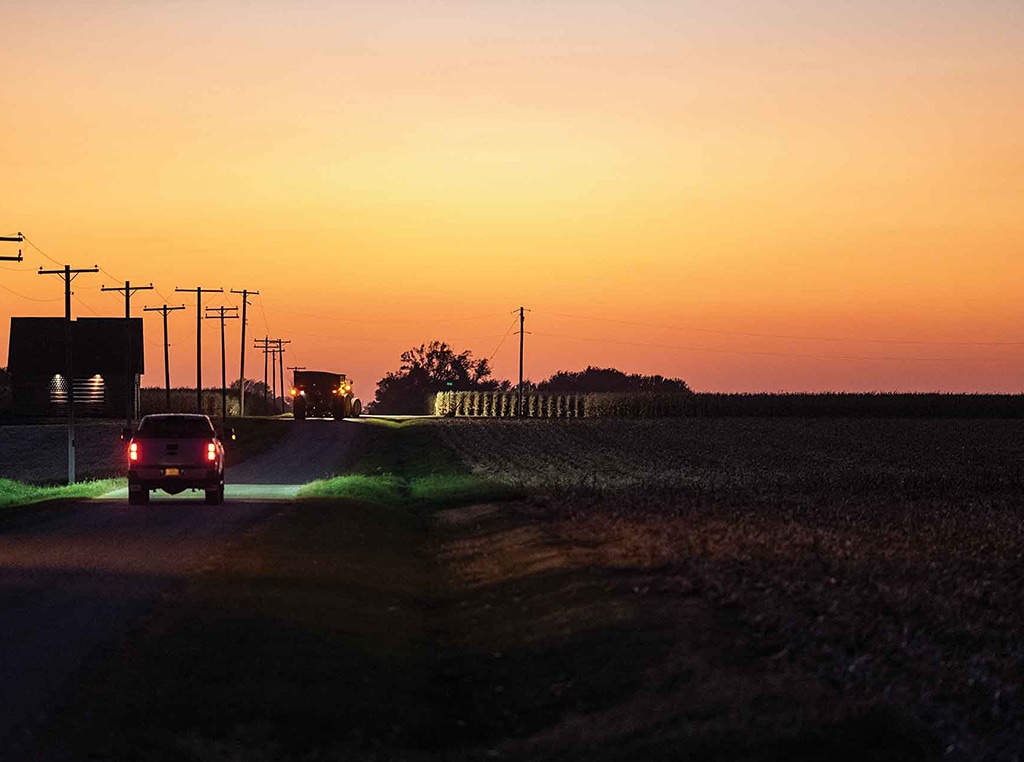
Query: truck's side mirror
x,y
126,434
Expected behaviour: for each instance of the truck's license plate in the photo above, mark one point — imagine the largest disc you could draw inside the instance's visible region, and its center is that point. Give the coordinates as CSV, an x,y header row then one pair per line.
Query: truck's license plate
x,y
172,472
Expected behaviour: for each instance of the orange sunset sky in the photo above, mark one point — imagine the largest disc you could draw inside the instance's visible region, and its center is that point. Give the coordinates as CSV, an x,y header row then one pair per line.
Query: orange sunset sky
x,y
749,195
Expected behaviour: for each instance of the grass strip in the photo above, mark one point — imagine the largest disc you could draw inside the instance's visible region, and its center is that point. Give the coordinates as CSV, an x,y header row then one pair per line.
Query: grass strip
x,y
14,494
405,465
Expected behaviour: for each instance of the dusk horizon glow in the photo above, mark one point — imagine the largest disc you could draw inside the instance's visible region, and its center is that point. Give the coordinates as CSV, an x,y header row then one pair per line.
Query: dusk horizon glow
x,y
750,196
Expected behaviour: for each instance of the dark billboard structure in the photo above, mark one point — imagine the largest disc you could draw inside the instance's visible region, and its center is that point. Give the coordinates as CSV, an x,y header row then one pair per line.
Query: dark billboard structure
x,y
36,364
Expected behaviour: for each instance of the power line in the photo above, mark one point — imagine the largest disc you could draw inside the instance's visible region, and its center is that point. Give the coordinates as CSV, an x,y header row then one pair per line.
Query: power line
x,y
372,340
29,298
417,321
110,275
788,336
78,300
507,334
29,242
883,358
263,310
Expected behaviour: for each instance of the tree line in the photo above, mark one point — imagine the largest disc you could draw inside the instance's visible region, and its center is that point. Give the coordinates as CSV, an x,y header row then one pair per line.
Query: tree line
x,y
437,367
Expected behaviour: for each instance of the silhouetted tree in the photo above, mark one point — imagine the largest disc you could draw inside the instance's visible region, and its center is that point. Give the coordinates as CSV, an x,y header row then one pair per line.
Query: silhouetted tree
x,y
426,370
610,380
252,387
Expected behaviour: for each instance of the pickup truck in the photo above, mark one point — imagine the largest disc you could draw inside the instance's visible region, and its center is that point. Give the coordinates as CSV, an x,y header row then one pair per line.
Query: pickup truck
x,y
175,452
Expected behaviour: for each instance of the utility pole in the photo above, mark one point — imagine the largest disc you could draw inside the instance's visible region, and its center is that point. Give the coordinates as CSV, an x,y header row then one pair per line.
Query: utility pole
x,y
241,363
222,314
167,368
129,376
68,275
273,376
17,239
264,344
522,334
199,291
280,351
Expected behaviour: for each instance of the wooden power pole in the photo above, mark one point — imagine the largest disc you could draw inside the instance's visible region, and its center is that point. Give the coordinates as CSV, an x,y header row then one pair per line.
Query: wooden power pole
x,y
241,363
199,291
522,334
17,239
129,383
221,313
264,344
68,275
167,368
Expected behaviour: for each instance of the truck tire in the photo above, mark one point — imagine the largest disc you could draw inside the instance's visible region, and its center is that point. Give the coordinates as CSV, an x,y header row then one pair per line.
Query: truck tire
x,y
215,496
357,408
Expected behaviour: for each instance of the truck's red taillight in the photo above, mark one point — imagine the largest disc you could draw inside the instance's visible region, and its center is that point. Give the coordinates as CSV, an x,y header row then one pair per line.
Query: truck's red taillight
x,y
133,451
211,451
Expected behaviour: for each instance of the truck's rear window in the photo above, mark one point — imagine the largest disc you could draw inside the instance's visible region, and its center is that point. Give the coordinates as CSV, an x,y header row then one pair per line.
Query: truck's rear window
x,y
175,428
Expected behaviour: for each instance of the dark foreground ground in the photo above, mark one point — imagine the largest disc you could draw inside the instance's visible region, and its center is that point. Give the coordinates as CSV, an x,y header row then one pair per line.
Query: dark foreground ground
x,y
746,590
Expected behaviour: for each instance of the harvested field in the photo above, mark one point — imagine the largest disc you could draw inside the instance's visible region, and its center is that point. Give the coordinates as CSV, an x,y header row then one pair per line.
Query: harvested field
x,y
876,564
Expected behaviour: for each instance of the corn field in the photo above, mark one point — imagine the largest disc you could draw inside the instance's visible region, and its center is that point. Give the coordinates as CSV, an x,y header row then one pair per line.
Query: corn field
x,y
495,404
183,400
539,405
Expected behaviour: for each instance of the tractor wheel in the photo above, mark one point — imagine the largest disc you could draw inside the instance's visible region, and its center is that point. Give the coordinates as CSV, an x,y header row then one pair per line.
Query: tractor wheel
x,y
343,408
357,408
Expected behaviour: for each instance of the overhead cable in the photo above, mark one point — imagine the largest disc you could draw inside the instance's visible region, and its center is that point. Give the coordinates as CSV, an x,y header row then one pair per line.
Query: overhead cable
x,y
604,340
788,336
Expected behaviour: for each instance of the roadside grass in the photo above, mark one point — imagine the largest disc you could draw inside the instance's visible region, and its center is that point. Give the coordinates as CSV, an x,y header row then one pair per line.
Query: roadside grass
x,y
404,464
380,490
14,494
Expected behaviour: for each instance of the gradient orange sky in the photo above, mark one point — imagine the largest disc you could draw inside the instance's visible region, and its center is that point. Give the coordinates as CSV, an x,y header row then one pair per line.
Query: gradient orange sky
x,y
749,195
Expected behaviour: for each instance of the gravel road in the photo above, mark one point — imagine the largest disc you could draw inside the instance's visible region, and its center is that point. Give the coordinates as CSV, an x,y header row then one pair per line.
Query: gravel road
x,y
74,580
311,450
